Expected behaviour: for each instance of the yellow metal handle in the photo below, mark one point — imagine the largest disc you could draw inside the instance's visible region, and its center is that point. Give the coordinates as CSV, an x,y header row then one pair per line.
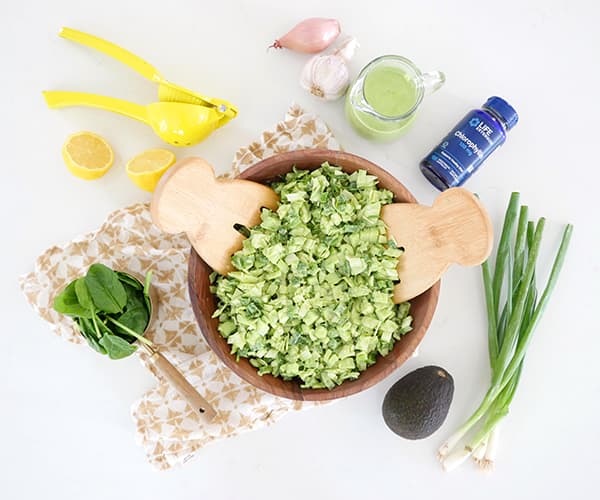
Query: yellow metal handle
x,y
61,99
110,49
167,91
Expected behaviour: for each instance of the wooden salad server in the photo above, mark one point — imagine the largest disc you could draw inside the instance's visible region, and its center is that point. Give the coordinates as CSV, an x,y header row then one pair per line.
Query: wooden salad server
x,y
190,199
455,230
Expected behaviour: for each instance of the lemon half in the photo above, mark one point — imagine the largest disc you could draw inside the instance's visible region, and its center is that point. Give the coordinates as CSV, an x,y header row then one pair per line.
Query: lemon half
x,y
87,155
146,169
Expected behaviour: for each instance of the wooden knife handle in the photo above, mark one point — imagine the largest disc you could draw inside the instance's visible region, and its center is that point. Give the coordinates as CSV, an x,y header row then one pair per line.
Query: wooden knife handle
x,y
183,387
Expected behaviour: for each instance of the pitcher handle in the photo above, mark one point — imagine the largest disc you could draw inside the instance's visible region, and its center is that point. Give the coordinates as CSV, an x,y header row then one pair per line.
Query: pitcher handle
x,y
432,81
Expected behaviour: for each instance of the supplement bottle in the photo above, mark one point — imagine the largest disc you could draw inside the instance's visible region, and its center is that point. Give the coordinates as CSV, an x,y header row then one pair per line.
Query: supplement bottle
x,y
465,148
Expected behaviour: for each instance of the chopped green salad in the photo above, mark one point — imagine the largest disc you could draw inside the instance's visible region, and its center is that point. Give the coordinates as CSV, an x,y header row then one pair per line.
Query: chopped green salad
x,y
311,296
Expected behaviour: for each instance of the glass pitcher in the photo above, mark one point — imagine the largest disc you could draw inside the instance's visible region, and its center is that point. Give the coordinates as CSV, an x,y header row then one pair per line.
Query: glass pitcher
x,y
384,99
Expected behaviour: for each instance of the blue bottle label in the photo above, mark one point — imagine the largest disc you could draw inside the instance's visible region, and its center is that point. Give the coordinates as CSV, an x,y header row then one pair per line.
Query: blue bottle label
x,y
461,152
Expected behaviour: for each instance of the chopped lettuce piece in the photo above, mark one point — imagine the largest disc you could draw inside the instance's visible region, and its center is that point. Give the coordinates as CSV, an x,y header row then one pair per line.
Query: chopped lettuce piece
x,y
311,296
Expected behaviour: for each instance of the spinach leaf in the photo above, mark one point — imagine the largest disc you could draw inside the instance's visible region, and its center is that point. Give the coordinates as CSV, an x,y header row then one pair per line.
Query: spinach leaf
x,y
83,294
136,319
135,298
111,309
107,292
67,302
88,333
116,347
129,280
105,328
136,314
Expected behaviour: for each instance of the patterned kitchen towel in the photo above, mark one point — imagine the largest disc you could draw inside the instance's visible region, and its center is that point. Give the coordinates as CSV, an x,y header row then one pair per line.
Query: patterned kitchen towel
x,y
166,427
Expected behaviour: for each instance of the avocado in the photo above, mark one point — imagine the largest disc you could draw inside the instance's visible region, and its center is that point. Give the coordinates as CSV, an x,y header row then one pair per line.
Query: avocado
x,y
417,405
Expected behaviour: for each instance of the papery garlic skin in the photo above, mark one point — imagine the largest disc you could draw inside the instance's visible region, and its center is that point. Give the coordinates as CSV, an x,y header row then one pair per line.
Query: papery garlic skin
x,y
327,76
347,48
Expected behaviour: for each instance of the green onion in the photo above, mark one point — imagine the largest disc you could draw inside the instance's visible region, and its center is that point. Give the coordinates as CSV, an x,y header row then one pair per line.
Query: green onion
x,y
510,327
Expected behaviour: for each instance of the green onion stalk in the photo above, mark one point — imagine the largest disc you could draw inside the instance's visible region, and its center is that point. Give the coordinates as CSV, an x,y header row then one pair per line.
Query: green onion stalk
x,y
513,312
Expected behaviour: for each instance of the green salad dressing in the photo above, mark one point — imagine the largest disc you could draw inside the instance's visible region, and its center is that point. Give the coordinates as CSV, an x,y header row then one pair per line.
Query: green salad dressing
x,y
381,103
390,91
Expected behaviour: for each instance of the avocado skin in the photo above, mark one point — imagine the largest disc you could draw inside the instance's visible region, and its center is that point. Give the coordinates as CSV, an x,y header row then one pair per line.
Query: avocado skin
x,y
417,405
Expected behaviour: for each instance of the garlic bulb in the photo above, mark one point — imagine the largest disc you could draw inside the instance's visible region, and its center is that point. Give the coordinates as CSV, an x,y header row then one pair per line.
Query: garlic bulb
x,y
327,76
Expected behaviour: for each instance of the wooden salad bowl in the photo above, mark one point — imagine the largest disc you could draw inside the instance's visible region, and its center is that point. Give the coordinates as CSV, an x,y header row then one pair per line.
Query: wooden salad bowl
x,y
204,303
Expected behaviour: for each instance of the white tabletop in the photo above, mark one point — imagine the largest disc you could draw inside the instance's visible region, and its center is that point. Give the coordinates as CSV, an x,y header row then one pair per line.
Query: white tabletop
x,y
65,410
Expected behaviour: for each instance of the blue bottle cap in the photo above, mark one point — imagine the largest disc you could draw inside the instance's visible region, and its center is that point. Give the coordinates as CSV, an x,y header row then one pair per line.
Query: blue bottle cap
x,y
504,110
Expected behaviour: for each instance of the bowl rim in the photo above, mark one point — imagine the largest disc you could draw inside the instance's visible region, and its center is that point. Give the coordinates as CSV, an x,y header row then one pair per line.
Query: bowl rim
x,y
386,364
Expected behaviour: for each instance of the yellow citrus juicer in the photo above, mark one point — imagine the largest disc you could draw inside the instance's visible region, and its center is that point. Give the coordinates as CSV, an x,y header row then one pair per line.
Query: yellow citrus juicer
x,y
181,117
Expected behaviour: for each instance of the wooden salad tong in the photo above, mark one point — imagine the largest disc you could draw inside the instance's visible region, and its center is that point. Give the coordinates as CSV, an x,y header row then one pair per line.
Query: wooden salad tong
x,y
210,210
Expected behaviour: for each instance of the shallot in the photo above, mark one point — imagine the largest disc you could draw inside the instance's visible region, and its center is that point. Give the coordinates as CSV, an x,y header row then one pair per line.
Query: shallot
x,y
310,36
